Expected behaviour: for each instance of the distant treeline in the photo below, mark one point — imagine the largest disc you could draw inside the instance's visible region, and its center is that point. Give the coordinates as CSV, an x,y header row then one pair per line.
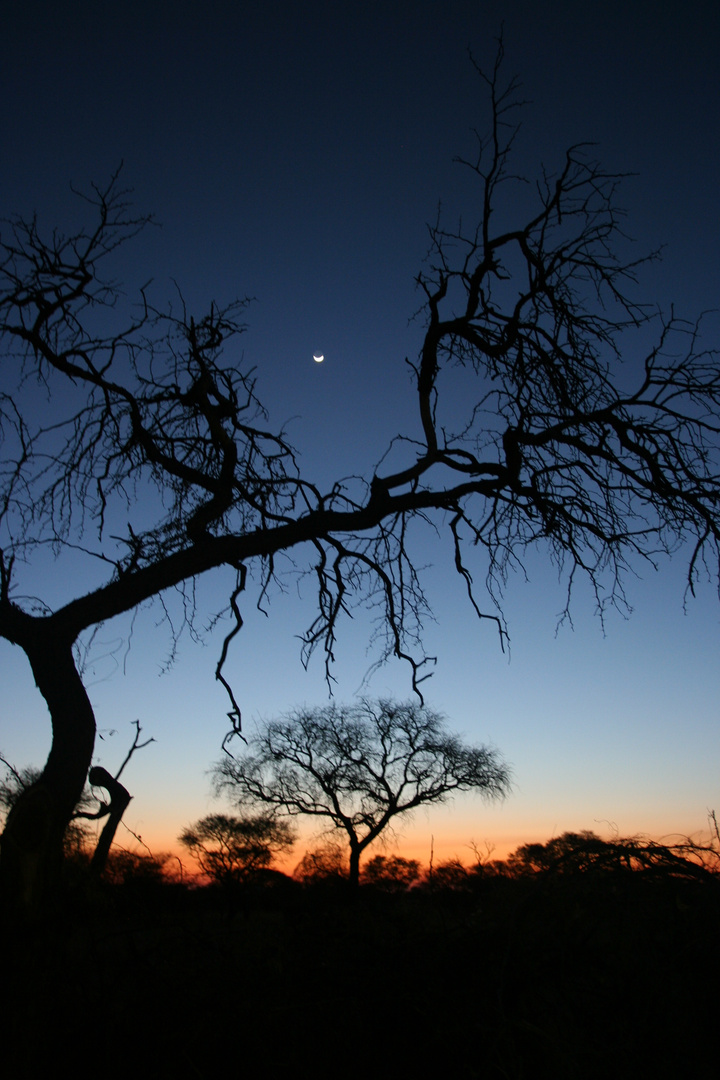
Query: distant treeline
x,y
570,854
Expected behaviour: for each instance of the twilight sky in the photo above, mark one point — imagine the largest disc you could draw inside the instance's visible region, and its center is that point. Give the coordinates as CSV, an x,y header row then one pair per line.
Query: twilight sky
x,y
294,156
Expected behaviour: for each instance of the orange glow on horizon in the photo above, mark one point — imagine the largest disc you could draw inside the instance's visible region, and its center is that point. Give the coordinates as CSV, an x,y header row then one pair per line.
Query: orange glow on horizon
x,y
443,848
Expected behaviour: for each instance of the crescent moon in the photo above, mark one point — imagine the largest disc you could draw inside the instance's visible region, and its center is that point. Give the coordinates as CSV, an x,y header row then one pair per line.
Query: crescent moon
x,y
318,359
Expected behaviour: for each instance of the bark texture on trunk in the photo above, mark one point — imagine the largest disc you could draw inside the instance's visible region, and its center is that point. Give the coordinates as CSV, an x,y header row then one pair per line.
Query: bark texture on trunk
x,y
32,843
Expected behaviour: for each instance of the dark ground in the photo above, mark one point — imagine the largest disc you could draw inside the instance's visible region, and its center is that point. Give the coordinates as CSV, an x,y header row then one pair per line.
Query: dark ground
x,y
566,977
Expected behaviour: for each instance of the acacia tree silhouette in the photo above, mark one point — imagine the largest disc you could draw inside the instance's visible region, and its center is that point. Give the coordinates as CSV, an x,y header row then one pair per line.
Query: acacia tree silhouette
x,y
558,449
230,849
358,767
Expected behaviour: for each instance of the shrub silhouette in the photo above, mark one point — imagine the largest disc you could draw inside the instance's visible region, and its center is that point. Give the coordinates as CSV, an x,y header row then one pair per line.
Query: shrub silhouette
x,y
392,873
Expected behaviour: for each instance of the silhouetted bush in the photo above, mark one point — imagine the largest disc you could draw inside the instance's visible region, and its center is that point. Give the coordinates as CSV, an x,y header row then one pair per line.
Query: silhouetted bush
x,y
327,863
449,875
391,873
126,867
587,853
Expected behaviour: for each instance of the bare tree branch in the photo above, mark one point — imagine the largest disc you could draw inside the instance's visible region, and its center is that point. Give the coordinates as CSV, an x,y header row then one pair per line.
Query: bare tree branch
x,y
572,440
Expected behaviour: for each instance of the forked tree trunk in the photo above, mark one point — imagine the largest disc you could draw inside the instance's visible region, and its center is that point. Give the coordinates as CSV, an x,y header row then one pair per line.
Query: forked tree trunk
x,y
32,843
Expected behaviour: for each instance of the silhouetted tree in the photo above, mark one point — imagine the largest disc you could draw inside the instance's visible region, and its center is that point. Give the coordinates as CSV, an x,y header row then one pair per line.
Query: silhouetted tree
x,y
119,800
557,447
359,767
90,807
230,849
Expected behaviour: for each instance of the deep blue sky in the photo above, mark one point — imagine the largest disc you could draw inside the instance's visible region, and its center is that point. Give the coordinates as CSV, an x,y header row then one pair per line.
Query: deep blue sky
x,y
294,156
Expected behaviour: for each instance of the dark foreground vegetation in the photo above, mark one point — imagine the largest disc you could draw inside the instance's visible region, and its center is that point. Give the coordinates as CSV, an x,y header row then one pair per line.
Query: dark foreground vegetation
x,y
599,965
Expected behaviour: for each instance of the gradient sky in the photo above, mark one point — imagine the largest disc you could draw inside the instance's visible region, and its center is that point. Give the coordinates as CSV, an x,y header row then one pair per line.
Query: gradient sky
x,y
294,156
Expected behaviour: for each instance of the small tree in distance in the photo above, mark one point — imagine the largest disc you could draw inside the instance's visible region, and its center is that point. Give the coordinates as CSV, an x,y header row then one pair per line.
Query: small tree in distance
x,y
230,849
358,767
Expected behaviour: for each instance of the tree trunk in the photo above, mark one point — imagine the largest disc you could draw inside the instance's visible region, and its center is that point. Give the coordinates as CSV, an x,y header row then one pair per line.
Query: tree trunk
x,y
32,844
354,875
